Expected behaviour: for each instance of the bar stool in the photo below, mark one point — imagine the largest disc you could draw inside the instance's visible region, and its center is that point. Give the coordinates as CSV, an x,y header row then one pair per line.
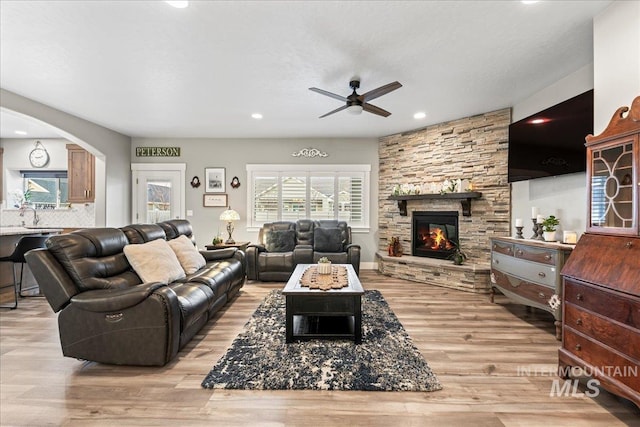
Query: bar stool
x,y
25,244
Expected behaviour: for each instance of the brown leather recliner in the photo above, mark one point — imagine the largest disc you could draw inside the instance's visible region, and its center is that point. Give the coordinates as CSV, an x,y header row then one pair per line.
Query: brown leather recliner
x,y
283,245
108,315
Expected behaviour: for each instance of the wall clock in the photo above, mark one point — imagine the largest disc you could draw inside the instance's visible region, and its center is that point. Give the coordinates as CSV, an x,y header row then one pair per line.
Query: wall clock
x,y
39,157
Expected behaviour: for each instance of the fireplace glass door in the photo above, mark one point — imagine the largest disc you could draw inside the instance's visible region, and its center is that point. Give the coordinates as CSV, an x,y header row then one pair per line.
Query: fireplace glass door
x,y
435,234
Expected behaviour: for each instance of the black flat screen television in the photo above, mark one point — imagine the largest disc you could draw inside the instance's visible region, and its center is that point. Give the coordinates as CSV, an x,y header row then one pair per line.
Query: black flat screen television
x,y
551,142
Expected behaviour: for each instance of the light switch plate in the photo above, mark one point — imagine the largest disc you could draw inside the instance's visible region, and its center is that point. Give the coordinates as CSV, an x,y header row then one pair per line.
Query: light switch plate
x,y
189,212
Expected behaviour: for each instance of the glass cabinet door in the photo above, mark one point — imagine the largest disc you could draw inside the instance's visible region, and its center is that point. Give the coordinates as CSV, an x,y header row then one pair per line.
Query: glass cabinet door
x,y
613,188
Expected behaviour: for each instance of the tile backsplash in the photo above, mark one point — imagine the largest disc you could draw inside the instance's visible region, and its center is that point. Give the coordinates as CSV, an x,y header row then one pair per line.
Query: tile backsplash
x,y
77,216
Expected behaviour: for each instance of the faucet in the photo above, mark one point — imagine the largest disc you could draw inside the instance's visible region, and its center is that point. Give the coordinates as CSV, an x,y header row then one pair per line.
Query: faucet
x,y
36,218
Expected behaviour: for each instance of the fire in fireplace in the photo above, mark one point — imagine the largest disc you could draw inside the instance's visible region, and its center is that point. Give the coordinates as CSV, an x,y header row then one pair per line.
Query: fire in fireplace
x,y
435,234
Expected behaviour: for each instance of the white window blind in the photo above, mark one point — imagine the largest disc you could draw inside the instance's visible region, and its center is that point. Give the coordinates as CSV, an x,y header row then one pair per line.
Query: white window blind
x,y
290,192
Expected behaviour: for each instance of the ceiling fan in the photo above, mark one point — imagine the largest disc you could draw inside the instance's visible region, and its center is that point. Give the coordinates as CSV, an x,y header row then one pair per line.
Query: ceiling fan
x,y
355,103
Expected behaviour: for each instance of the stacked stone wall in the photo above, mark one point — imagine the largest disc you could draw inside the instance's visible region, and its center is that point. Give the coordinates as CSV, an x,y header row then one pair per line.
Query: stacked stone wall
x,y
473,148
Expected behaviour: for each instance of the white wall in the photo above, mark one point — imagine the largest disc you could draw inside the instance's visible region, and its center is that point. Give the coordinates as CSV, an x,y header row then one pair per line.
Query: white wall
x,y
235,154
112,151
616,52
16,158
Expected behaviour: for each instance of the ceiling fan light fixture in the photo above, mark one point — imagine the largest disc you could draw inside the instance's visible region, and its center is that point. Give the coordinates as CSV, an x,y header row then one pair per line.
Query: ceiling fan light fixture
x,y
355,109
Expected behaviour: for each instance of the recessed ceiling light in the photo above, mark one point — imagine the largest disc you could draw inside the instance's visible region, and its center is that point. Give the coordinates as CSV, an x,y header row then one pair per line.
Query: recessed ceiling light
x,y
529,1
420,115
538,121
179,4
20,132
256,116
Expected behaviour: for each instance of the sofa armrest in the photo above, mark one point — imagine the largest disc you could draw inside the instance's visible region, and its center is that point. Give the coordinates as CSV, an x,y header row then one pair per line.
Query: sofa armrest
x,y
303,254
109,300
253,251
217,254
353,255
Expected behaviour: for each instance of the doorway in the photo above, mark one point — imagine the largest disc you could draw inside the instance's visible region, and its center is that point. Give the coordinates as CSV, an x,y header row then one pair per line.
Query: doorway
x,y
158,192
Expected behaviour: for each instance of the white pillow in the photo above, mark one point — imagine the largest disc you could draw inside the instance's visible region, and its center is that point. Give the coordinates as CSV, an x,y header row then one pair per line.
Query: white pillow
x,y
190,259
154,261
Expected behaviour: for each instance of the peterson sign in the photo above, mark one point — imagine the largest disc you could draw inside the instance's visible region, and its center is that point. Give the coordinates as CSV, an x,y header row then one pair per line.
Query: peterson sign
x,y
157,151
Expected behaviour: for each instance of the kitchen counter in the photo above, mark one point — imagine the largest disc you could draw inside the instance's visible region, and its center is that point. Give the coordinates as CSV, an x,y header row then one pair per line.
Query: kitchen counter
x,y
16,231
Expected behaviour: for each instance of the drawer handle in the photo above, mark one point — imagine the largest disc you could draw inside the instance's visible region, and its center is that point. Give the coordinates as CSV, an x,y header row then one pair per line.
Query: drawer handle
x,y
578,347
495,246
541,274
547,257
628,245
519,251
540,295
579,297
497,261
579,322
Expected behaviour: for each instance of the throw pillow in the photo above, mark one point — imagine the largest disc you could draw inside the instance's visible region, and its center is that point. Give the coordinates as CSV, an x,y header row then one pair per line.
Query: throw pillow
x,y
154,261
280,240
188,255
327,240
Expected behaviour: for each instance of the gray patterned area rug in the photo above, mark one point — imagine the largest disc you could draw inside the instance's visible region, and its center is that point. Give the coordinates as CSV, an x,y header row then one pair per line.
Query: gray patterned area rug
x,y
386,360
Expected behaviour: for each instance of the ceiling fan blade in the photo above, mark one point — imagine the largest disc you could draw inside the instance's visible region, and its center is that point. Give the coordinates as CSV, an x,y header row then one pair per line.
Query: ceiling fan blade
x,y
332,95
375,110
382,90
334,111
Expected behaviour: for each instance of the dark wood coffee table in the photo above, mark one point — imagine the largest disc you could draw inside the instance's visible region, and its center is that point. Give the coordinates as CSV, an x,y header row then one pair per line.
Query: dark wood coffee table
x,y
313,313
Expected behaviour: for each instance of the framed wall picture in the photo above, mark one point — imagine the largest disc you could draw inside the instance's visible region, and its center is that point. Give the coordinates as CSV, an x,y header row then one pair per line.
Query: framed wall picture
x,y
214,200
214,179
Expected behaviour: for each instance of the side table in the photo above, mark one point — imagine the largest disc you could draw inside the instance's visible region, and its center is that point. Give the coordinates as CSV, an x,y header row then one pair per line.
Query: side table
x,y
240,245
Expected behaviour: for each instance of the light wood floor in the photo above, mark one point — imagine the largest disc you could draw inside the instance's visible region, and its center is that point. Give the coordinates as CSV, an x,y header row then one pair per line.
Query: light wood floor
x,y
477,349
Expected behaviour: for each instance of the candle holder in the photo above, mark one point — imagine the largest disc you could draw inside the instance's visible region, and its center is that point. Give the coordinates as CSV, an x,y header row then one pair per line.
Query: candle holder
x,y
534,229
540,232
519,232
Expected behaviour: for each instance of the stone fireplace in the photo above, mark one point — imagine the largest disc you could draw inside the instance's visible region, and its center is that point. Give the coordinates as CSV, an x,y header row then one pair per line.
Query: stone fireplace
x,y
435,233
472,148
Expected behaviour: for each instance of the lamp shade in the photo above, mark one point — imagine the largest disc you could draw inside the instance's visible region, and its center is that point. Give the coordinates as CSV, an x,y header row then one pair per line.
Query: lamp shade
x,y
229,215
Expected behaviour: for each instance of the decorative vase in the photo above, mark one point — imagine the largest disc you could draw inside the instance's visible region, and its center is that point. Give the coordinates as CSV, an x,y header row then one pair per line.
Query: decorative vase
x,y
549,236
324,268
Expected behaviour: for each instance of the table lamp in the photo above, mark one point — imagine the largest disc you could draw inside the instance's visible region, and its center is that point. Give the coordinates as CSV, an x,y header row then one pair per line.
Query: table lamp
x,y
230,215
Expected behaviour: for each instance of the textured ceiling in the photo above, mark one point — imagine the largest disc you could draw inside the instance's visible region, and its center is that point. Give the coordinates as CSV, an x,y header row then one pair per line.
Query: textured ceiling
x,y
146,69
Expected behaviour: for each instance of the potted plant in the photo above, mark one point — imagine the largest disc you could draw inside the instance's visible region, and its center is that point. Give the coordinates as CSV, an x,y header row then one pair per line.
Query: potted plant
x,y
216,241
458,256
324,265
549,225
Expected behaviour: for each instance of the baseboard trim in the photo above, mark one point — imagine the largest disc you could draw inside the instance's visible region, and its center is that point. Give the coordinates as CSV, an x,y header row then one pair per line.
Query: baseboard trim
x,y
368,266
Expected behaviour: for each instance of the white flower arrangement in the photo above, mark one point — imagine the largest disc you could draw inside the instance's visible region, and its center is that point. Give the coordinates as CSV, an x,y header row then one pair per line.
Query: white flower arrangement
x,y
554,302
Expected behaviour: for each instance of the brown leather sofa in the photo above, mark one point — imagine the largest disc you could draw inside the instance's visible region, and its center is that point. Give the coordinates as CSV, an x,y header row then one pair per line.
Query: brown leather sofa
x,y
108,315
283,245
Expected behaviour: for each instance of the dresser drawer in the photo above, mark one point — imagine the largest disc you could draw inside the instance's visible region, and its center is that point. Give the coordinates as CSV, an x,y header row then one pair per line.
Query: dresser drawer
x,y
603,360
536,294
610,304
530,271
619,337
541,255
502,247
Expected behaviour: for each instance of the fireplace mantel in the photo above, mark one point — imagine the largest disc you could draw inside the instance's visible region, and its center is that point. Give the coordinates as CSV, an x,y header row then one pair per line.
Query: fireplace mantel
x,y
465,200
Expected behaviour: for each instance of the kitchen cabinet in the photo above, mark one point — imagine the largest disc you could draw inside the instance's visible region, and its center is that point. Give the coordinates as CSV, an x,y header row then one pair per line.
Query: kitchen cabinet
x,y
81,174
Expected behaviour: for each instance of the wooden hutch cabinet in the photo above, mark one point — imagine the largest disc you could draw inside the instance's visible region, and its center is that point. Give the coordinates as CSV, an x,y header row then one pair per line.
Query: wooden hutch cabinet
x,y
601,279
81,174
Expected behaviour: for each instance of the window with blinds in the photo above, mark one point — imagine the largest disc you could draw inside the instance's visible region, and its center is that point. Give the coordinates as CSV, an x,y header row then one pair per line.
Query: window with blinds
x,y
289,193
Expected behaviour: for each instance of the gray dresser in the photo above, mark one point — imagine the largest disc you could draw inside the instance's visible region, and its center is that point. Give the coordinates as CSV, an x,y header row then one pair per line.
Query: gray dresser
x,y
528,272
